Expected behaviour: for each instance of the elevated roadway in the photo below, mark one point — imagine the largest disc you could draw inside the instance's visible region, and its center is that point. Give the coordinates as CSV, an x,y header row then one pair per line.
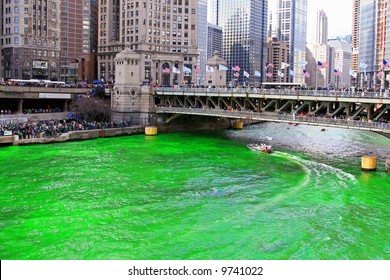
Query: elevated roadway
x,y
366,111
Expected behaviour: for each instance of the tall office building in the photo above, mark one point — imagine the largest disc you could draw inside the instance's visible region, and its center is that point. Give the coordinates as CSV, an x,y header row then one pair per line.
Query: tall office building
x,y
342,62
202,41
165,33
321,28
374,43
214,41
244,27
278,53
30,39
1,43
355,40
78,40
320,77
108,36
289,24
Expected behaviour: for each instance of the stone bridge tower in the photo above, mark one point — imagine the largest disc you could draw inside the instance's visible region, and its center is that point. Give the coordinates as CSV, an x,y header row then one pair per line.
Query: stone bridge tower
x,y
130,100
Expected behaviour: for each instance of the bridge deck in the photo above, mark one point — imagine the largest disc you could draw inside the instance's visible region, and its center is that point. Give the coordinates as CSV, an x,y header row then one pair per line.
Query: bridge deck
x,y
286,118
317,95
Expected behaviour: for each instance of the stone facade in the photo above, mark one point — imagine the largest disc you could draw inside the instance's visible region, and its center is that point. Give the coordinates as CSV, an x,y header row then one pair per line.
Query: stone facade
x,y
164,33
130,100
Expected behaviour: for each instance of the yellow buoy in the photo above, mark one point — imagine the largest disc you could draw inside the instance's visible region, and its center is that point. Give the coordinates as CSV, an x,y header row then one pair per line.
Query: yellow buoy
x,y
238,125
150,130
368,163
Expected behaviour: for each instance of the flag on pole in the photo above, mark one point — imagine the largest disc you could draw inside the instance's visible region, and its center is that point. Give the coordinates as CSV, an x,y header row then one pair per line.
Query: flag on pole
x,y
362,64
236,74
337,73
322,65
280,74
209,68
268,74
166,70
236,68
257,73
352,73
246,74
285,65
269,65
175,70
292,72
197,69
386,64
306,74
186,70
379,74
302,63
222,67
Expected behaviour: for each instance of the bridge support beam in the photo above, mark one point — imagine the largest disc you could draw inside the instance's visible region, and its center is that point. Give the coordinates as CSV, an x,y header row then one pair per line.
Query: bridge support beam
x,y
20,106
370,111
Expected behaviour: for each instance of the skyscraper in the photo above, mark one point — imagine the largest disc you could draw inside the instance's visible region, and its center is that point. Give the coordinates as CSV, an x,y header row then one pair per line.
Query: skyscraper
x,y
342,62
78,40
374,43
1,43
202,40
355,34
244,27
164,32
321,28
214,40
30,39
289,24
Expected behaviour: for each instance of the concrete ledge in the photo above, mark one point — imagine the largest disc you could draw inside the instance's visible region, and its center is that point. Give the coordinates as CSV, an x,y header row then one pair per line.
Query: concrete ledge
x,y
4,140
80,135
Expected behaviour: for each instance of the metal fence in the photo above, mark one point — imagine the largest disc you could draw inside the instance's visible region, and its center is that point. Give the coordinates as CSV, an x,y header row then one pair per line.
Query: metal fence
x,y
253,90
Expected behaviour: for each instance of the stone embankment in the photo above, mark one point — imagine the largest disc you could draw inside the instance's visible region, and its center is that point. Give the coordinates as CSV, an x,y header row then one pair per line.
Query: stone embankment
x,y
73,136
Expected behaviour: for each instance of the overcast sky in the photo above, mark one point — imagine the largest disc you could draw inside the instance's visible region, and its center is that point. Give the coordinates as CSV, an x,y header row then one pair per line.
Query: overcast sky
x,y
339,14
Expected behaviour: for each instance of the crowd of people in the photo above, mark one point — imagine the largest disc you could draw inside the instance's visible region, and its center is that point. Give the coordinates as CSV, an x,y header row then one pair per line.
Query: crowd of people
x,y
54,128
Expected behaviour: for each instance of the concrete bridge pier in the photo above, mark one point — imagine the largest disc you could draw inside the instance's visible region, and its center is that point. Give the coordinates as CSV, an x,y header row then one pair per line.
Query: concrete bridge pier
x,y
238,125
20,106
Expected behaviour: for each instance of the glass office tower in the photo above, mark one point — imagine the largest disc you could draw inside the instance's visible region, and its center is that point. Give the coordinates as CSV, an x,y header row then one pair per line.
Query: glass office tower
x,y
244,25
290,26
374,44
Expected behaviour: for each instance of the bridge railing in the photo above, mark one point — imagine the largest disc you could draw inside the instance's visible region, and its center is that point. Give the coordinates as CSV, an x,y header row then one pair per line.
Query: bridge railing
x,y
254,90
344,123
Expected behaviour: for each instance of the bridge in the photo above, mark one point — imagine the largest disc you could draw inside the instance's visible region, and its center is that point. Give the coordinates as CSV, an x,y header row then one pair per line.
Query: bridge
x,y
18,98
353,110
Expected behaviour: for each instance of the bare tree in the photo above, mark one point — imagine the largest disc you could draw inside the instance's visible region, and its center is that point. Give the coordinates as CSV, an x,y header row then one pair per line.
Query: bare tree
x,y
92,109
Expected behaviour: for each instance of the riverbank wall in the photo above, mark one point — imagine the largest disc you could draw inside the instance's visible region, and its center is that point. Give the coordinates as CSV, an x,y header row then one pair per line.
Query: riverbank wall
x,y
81,135
116,132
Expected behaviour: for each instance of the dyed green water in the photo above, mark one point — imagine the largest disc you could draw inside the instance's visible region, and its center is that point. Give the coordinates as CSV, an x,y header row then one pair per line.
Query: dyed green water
x,y
197,196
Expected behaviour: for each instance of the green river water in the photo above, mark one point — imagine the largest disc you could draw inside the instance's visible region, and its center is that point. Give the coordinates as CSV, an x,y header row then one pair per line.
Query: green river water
x,y
198,196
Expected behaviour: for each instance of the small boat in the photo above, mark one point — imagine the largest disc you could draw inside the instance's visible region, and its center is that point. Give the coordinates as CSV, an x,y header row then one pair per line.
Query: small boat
x,y
261,147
